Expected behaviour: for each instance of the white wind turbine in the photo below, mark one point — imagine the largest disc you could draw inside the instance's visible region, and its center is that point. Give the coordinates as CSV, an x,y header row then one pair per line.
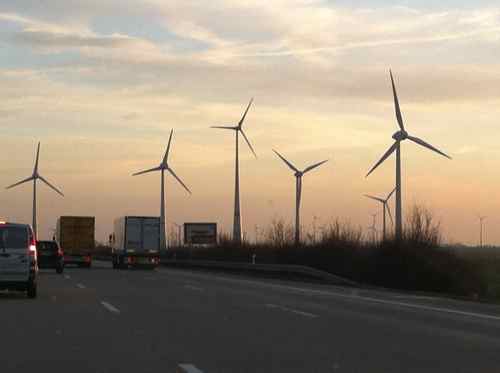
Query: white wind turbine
x,y
237,214
398,137
386,208
298,190
162,167
35,176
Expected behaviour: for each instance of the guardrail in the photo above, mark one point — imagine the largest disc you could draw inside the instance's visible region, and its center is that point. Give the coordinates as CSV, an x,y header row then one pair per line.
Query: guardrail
x,y
276,269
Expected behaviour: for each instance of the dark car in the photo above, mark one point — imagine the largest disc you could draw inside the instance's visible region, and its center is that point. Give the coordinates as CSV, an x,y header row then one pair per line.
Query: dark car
x,y
50,255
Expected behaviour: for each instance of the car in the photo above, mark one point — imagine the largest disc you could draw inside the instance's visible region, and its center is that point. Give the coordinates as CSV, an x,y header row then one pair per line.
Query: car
x,y
18,258
50,255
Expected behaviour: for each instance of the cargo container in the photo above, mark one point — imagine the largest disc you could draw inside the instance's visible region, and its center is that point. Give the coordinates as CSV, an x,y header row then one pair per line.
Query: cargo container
x,y
136,242
76,237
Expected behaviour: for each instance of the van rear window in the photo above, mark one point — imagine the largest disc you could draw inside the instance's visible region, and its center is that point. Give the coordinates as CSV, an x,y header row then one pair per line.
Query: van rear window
x,y
13,237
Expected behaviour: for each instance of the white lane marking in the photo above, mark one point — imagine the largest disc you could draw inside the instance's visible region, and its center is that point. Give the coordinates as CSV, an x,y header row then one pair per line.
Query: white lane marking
x,y
110,307
67,277
192,287
187,368
423,297
291,310
365,298
81,286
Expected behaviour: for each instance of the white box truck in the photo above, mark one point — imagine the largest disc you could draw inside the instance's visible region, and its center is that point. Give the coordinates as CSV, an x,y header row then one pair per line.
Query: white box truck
x,y
136,242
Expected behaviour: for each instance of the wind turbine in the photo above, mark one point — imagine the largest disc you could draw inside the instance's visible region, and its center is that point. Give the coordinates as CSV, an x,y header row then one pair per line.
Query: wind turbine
x,y
373,227
162,167
298,190
385,206
481,220
35,176
237,214
398,137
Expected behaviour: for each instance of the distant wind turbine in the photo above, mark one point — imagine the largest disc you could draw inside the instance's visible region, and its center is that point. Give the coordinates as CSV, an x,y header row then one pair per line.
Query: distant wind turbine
x,y
162,167
237,213
481,220
385,207
35,176
298,188
373,227
400,136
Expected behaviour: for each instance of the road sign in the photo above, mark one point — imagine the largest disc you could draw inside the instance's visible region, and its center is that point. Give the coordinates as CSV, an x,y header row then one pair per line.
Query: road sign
x,y
200,233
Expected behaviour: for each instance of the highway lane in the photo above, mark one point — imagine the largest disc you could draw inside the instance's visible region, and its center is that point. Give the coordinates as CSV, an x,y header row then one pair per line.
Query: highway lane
x,y
101,320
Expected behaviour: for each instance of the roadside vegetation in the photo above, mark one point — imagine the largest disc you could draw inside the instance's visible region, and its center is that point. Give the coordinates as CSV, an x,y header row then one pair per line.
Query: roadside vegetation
x,y
419,263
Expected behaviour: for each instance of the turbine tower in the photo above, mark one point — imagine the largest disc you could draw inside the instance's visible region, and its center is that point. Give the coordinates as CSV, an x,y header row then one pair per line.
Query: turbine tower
x,y
481,220
164,167
298,190
398,137
35,176
237,213
385,207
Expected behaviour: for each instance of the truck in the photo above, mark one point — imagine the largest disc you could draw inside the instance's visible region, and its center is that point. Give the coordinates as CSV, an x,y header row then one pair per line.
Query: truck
x,y
76,237
135,242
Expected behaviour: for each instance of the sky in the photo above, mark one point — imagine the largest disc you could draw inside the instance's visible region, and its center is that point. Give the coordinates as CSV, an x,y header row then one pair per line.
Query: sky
x,y
101,83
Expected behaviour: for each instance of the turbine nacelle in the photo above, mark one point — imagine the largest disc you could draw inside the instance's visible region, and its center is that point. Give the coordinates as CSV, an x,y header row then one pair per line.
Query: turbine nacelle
x,y
400,135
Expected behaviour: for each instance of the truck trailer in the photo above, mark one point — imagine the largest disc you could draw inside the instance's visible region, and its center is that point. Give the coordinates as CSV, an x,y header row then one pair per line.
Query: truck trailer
x,y
76,237
136,242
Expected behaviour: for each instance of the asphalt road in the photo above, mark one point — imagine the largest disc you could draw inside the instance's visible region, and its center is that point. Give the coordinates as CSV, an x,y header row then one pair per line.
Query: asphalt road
x,y
104,320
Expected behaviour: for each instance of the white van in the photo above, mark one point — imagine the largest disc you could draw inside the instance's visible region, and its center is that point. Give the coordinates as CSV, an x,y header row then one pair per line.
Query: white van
x,y
18,259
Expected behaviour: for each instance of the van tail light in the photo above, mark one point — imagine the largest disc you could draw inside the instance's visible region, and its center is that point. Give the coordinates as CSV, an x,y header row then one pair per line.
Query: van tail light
x,y
60,252
32,250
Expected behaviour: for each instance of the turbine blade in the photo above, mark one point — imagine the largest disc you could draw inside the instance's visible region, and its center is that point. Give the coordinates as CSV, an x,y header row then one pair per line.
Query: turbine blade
x,y
384,157
225,127
248,142
21,182
178,179
389,211
396,104
35,169
390,195
146,171
374,198
428,146
50,185
240,123
165,157
310,168
289,164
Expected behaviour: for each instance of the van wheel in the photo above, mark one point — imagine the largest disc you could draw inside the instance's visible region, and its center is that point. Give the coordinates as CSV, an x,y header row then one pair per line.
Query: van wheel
x,y
32,289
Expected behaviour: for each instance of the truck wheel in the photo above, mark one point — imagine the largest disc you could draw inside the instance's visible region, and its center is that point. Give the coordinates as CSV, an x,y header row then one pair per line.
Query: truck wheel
x,y
32,289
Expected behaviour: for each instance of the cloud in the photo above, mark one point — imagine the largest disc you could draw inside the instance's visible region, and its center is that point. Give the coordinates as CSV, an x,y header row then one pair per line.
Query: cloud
x,y
39,38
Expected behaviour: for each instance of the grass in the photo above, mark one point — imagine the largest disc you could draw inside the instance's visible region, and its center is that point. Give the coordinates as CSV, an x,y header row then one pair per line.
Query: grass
x,y
418,263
